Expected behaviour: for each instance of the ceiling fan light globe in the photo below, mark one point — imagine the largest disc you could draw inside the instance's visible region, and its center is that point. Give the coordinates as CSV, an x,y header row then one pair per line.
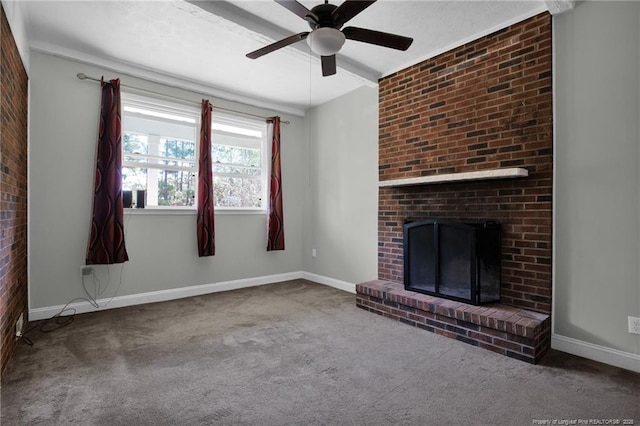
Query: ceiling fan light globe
x,y
326,41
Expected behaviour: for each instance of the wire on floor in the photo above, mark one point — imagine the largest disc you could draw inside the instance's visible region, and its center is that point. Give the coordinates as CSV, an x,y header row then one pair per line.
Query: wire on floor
x,y
62,320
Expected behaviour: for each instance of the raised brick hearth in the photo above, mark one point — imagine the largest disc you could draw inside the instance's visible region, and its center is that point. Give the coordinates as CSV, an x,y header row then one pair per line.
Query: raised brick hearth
x,y
485,107
509,331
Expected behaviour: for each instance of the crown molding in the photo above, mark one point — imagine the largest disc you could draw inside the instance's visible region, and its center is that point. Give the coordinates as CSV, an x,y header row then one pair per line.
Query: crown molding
x,y
160,78
557,7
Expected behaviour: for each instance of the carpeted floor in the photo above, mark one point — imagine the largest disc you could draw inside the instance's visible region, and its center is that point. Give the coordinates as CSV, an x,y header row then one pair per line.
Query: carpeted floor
x,y
293,353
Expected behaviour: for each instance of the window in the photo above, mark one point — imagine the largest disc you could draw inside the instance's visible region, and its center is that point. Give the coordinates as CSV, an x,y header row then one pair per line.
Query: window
x,y
160,151
160,155
239,157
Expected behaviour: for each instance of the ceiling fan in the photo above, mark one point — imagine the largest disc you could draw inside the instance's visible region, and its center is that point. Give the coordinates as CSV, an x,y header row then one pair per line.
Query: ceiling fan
x,y
325,37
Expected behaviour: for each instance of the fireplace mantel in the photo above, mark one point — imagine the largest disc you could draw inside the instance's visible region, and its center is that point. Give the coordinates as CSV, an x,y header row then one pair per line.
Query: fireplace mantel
x,y
514,172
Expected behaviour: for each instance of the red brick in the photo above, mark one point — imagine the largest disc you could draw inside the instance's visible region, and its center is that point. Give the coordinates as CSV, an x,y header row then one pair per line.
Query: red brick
x,y
459,123
13,193
513,332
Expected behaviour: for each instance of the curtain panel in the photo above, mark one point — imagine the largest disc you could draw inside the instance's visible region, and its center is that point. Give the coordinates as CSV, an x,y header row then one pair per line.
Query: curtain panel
x,y
205,220
275,213
106,239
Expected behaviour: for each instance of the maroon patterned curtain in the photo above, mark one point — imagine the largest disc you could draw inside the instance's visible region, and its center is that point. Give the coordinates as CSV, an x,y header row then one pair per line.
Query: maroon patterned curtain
x,y
205,222
275,214
106,240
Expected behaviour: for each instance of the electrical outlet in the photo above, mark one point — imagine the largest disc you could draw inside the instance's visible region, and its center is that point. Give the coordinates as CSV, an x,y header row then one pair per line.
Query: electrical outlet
x,y
85,270
19,325
313,252
634,325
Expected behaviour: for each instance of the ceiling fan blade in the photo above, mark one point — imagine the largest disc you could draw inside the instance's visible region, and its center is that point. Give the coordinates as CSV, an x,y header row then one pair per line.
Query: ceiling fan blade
x,y
348,10
393,41
328,65
277,45
298,9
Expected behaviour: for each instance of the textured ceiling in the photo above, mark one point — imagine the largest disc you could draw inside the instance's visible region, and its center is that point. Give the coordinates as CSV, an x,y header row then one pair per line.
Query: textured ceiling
x,y
203,44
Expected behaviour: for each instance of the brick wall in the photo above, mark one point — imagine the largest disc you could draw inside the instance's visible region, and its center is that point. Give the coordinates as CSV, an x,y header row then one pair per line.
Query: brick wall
x,y
484,105
13,191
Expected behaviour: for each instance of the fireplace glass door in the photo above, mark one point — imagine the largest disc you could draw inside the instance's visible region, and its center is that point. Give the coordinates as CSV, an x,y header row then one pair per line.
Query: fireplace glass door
x,y
458,261
456,255
423,269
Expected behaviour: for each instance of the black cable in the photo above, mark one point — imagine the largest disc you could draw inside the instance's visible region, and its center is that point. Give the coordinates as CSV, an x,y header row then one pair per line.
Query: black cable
x,y
68,319
26,340
60,321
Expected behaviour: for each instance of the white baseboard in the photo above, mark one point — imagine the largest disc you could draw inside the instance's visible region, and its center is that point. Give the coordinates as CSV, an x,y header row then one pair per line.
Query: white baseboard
x,y
179,293
598,353
162,295
331,282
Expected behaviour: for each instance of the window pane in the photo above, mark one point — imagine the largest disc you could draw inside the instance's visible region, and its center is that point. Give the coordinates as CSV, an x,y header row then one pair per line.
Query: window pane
x,y
176,188
237,192
164,187
181,149
134,143
134,178
160,150
236,170
236,155
221,129
159,114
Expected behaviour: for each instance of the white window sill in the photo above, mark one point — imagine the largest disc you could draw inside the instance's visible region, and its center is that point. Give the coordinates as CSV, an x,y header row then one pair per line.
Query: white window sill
x,y
186,211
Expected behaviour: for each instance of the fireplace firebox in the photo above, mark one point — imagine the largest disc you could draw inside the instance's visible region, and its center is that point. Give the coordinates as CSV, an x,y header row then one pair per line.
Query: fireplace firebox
x,y
457,261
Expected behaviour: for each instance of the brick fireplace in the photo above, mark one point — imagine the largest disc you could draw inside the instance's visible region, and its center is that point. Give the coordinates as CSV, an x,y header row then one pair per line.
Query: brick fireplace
x,y
484,106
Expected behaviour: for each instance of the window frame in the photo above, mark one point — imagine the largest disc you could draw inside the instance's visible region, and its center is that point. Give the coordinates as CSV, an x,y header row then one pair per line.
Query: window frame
x,y
164,109
250,124
162,106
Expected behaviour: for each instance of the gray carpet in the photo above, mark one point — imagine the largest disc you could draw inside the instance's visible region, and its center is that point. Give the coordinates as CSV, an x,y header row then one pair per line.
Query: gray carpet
x,y
293,353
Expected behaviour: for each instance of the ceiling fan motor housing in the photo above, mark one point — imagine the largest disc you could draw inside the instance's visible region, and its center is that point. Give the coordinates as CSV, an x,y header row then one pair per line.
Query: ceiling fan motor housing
x,y
324,12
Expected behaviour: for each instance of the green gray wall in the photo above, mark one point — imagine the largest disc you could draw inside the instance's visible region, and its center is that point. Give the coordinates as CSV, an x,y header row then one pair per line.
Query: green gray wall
x,y
161,247
343,165
597,162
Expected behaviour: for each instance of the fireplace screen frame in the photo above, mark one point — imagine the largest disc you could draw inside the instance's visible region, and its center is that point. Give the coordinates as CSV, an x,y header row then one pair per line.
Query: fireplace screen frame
x,y
426,273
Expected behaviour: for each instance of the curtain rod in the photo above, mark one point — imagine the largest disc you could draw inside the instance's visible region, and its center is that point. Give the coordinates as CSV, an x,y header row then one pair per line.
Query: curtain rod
x,y
83,76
